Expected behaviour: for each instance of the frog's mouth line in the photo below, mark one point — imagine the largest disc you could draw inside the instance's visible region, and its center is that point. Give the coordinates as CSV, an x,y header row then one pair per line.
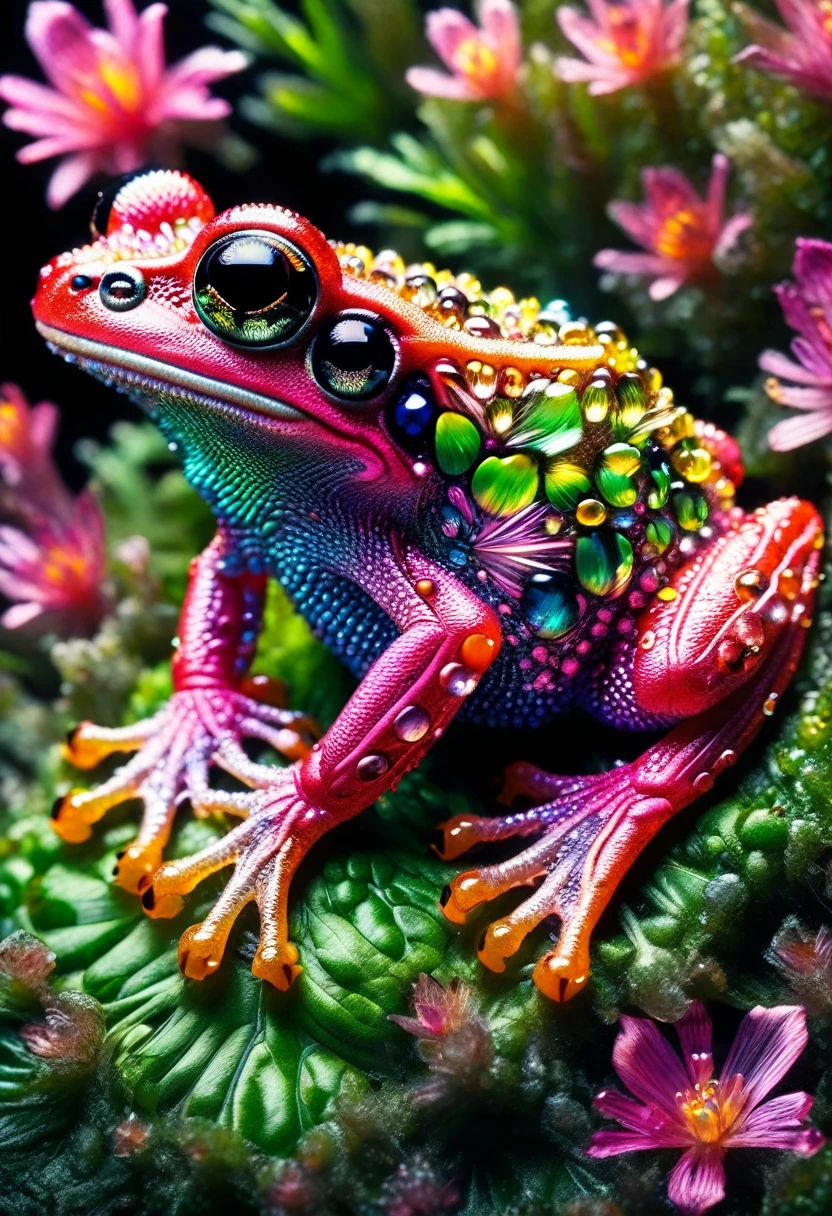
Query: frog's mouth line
x,y
143,377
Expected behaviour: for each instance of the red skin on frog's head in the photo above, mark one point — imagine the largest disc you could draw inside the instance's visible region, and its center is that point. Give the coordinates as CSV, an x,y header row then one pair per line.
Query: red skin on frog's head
x,y
160,225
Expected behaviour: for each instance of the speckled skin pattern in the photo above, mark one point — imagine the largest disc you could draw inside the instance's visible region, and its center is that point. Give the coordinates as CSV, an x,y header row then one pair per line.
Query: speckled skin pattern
x,y
502,515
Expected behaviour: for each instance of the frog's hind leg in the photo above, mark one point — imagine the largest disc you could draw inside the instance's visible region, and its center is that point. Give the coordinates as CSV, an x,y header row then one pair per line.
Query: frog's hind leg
x,y
732,661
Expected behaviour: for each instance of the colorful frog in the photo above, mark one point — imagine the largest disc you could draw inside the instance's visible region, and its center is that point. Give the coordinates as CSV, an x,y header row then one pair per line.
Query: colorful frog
x,y
485,508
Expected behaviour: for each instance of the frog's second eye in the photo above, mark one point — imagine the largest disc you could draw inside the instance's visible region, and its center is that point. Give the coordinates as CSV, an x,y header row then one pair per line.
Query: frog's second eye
x,y
354,358
254,289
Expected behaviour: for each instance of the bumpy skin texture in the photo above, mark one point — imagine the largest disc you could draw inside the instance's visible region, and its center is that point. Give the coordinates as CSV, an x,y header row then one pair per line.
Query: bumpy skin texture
x,y
518,520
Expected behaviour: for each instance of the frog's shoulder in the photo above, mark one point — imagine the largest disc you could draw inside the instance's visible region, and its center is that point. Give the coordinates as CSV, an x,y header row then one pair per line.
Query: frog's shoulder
x,y
569,470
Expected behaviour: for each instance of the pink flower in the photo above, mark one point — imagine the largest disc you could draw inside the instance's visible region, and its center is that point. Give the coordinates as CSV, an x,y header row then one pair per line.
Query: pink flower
x,y
684,233
803,55
55,570
805,961
628,42
52,564
483,61
439,1011
681,1104
807,307
113,103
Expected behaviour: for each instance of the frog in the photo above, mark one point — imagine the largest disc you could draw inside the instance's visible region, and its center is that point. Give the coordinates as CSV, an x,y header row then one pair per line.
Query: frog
x,y
489,510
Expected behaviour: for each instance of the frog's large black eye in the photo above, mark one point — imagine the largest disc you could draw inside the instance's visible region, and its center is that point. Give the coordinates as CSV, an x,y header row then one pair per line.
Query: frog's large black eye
x,y
353,358
254,289
122,289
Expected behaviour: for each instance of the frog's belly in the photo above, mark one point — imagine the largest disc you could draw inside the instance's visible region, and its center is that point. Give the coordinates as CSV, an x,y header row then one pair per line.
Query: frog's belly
x,y
354,628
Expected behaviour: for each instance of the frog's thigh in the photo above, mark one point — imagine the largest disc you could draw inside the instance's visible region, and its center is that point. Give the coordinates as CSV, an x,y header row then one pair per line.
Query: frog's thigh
x,y
733,601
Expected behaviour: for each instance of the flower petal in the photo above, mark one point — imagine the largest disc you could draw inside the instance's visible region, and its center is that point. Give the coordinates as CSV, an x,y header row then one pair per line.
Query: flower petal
x,y
648,1065
646,1120
587,37
767,1044
695,1031
446,28
61,39
767,1126
150,50
69,177
795,432
20,614
437,84
612,1144
698,1181
784,368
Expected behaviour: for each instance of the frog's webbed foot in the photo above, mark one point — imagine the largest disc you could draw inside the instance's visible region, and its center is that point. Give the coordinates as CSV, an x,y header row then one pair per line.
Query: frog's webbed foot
x,y
265,850
756,582
175,750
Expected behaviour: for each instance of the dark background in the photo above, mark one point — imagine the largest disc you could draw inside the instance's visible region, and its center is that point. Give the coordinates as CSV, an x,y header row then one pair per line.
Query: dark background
x,y
287,172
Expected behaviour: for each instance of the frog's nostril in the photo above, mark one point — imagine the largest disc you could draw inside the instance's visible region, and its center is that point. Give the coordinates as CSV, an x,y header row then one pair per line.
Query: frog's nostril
x,y
81,282
122,289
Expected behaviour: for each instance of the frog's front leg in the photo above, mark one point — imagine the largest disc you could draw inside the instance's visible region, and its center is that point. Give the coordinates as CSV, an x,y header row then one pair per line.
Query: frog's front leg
x,y
447,640
210,709
718,656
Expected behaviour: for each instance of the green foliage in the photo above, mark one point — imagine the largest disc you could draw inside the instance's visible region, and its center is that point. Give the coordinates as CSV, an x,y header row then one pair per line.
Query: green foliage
x,y
346,61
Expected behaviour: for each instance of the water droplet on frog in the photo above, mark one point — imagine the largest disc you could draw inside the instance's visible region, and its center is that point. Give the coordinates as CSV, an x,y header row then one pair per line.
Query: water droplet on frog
x,y
173,446
373,766
459,681
411,724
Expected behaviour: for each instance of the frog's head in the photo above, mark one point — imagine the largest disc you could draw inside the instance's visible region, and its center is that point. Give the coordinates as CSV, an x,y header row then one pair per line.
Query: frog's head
x,y
254,313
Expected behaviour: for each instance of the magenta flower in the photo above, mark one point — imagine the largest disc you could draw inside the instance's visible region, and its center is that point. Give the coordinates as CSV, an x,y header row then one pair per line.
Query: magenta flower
x,y
805,961
684,234
55,570
807,307
682,1105
627,42
439,1011
802,54
52,562
483,61
113,104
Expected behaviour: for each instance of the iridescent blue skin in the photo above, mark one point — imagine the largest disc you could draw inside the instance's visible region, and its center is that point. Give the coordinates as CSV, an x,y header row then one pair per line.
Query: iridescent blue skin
x,y
393,564
295,526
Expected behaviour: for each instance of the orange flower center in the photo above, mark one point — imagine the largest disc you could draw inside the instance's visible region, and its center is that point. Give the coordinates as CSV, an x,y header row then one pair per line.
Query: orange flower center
x,y
684,238
9,425
825,9
710,1110
476,61
629,41
63,567
117,80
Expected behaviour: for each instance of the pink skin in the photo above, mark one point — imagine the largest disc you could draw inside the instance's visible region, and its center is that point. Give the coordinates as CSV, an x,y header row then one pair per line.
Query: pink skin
x,y
680,1105
807,307
112,103
684,233
801,54
623,44
727,651
483,61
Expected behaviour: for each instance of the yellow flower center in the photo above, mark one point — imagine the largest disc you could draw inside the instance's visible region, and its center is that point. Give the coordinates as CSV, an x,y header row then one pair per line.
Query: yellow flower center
x,y
710,1110
62,567
475,60
121,82
629,41
9,425
683,237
